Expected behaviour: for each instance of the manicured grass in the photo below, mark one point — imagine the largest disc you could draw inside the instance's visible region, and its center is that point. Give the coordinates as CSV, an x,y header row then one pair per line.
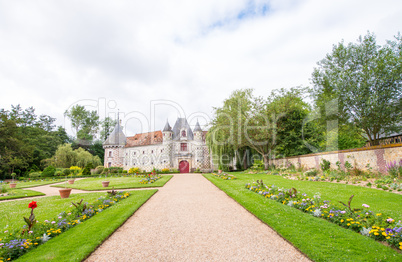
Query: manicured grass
x,y
22,184
20,193
80,241
116,182
319,239
12,213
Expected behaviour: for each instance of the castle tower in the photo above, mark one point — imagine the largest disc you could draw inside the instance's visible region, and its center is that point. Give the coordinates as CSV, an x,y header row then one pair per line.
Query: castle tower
x,y
114,147
199,149
167,134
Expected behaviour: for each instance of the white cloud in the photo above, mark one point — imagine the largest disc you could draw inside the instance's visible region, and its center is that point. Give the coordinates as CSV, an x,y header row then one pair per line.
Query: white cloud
x,y
195,53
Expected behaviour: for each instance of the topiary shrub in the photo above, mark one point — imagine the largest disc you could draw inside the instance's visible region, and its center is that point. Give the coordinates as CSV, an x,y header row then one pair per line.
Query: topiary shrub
x,y
134,170
49,171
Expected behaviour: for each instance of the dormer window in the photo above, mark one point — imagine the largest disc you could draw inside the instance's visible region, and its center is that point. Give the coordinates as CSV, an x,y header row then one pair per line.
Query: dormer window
x,y
183,133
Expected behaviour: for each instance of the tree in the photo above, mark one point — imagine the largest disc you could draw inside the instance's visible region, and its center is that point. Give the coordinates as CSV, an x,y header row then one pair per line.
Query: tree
x,y
107,128
14,154
365,79
85,122
226,137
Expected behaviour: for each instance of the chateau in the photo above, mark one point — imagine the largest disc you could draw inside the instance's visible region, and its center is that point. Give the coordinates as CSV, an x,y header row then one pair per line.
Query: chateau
x,y
179,148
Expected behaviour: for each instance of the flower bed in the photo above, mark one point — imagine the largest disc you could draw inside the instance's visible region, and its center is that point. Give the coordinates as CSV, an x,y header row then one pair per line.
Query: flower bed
x,y
225,176
150,179
35,233
364,221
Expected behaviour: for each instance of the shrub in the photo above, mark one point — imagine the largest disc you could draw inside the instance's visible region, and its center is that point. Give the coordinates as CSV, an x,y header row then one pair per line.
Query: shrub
x,y
105,170
75,169
3,189
66,172
165,170
312,172
49,171
35,174
124,171
99,170
325,165
258,165
87,170
134,170
115,169
58,173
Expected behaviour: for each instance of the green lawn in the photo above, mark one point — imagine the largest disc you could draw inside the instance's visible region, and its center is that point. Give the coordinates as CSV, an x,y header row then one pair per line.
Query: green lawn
x,y
319,239
78,242
22,184
20,193
12,213
116,182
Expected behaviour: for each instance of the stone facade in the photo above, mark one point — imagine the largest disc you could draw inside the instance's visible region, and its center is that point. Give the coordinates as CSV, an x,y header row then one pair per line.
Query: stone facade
x,y
178,148
375,157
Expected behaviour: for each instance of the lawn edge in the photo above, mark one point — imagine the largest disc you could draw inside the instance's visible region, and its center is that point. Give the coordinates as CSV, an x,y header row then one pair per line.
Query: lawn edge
x,y
135,211
305,255
116,188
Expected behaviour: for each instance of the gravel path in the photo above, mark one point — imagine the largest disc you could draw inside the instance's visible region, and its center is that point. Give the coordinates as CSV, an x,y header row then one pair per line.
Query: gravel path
x,y
189,219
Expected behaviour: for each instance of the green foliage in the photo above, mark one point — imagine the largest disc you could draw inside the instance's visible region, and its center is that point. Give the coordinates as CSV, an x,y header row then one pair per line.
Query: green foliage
x,y
325,165
364,81
49,171
134,170
87,170
66,157
35,174
84,121
258,165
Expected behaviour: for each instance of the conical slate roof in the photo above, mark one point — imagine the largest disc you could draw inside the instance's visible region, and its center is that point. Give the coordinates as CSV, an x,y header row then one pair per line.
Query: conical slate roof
x,y
167,127
116,138
197,128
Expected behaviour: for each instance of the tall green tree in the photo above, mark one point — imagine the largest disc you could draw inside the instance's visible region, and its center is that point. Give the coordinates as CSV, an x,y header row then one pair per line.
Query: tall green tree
x,y
14,154
107,126
365,79
226,137
85,122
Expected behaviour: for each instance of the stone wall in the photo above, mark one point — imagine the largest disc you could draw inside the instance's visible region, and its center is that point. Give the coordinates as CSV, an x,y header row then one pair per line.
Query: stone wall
x,y
375,157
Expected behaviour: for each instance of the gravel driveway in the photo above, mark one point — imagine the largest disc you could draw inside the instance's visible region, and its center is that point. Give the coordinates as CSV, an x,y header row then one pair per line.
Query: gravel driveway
x,y
189,219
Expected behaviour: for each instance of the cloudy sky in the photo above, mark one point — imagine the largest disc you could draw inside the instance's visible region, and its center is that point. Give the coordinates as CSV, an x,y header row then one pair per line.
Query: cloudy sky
x,y
156,60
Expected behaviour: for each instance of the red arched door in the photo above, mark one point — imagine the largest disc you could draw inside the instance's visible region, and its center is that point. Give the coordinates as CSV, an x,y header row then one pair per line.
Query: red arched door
x,y
184,167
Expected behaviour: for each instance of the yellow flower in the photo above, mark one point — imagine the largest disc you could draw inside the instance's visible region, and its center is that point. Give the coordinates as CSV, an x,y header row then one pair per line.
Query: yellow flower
x,y
375,233
379,214
388,237
384,234
348,224
342,220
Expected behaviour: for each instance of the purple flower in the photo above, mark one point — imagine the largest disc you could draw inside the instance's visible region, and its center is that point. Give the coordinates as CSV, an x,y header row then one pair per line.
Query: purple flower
x,y
343,212
366,206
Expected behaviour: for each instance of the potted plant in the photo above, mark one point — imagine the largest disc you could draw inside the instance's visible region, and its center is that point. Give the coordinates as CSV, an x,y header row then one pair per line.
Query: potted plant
x,y
65,192
105,183
12,184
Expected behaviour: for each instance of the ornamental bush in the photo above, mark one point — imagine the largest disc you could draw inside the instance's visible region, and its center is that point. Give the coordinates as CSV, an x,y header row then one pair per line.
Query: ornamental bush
x,y
49,171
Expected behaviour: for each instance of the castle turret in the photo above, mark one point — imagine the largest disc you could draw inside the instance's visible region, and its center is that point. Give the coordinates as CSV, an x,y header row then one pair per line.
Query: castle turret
x,y
113,146
168,144
199,153
197,132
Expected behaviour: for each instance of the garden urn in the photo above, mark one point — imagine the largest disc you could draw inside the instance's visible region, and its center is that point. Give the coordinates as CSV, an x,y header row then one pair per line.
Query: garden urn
x,y
12,185
65,192
105,183
71,181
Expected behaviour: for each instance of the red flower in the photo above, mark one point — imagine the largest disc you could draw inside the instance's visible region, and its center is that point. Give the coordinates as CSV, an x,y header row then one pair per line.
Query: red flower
x,y
32,205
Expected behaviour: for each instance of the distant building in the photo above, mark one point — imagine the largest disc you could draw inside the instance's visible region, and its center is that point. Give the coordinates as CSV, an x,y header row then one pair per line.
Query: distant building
x,y
394,138
179,148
